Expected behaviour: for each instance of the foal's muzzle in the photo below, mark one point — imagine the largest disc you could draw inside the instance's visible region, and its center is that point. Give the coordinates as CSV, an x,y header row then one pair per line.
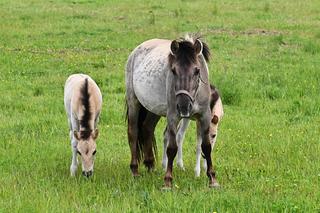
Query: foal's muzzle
x,y
87,174
184,103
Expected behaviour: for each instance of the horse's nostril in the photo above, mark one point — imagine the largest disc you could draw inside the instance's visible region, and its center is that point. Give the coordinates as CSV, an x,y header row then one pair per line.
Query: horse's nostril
x,y
87,174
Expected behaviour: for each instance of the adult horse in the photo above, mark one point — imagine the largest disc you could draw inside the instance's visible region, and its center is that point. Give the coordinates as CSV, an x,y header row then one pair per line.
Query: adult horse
x,y
167,78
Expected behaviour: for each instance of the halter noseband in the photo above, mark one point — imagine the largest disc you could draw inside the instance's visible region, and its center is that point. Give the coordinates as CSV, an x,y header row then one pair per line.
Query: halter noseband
x,y
185,92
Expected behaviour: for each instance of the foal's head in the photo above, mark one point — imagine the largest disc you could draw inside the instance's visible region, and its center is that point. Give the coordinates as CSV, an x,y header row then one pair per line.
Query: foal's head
x,y
86,148
216,114
186,67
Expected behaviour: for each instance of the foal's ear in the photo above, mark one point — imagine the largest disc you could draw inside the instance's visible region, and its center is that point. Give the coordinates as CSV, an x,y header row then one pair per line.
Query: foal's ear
x,y
76,134
198,46
95,134
215,119
174,47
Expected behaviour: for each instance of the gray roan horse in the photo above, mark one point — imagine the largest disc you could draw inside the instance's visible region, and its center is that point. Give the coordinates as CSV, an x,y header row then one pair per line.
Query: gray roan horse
x,y
167,78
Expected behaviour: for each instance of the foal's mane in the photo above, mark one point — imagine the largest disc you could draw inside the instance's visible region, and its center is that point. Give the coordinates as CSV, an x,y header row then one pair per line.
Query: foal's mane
x,y
84,121
186,53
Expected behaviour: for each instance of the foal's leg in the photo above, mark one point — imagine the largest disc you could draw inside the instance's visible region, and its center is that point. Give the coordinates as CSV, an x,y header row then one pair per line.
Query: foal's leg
x,y
183,125
149,125
197,169
165,145
74,161
206,148
133,116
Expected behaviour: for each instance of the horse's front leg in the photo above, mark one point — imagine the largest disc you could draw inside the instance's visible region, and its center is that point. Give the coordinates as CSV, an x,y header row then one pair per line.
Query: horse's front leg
x,y
206,148
172,149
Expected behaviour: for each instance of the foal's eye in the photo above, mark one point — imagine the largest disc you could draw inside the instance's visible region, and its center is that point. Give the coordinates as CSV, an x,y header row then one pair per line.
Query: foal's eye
x,y
78,152
94,152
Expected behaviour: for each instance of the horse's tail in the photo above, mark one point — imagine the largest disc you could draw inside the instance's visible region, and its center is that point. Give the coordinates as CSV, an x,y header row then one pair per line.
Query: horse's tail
x,y
142,114
141,141
144,132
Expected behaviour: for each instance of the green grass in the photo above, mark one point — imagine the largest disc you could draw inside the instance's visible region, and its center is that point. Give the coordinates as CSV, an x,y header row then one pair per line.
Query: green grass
x,y
265,63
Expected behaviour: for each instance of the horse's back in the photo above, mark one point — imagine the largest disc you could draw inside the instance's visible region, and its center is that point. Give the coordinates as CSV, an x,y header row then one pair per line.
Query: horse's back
x,y
149,66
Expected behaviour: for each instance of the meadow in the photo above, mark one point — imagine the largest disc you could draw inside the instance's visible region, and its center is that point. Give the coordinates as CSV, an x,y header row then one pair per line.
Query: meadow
x,y
265,62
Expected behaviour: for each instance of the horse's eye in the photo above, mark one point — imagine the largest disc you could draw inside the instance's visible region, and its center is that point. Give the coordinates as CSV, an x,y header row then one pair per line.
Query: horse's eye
x,y
94,152
174,71
196,71
78,152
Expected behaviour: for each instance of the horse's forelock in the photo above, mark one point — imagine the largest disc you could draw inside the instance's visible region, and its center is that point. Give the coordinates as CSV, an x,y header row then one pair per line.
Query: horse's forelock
x,y
186,53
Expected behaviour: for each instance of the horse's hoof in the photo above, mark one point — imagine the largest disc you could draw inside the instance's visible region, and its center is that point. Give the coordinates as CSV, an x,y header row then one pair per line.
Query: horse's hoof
x,y
168,182
149,164
135,175
214,185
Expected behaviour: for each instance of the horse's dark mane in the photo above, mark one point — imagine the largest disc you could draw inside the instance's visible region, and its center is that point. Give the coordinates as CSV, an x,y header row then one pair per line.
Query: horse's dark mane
x,y
186,52
214,96
84,121
206,51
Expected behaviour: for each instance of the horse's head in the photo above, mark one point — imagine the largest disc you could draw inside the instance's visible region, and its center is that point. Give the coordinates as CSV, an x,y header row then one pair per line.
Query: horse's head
x,y
86,148
186,67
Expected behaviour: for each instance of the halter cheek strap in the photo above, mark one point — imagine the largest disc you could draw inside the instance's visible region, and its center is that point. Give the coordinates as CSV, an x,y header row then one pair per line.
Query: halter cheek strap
x,y
185,92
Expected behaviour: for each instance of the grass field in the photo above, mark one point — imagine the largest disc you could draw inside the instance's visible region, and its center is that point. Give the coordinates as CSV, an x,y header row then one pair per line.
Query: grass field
x,y
266,57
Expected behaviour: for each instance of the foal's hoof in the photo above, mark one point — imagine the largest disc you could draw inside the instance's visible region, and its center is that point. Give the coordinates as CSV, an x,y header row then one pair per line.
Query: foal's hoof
x,y
166,188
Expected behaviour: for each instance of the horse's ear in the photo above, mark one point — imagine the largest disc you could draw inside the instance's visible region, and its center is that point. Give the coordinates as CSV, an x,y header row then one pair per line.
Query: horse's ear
x,y
198,46
76,134
95,134
174,47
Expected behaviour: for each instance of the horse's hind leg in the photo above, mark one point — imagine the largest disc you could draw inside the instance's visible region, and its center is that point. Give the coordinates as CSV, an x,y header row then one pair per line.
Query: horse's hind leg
x,y
133,119
149,148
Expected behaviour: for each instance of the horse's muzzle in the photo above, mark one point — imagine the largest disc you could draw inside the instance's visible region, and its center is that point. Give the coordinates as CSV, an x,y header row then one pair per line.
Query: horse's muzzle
x,y
184,105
